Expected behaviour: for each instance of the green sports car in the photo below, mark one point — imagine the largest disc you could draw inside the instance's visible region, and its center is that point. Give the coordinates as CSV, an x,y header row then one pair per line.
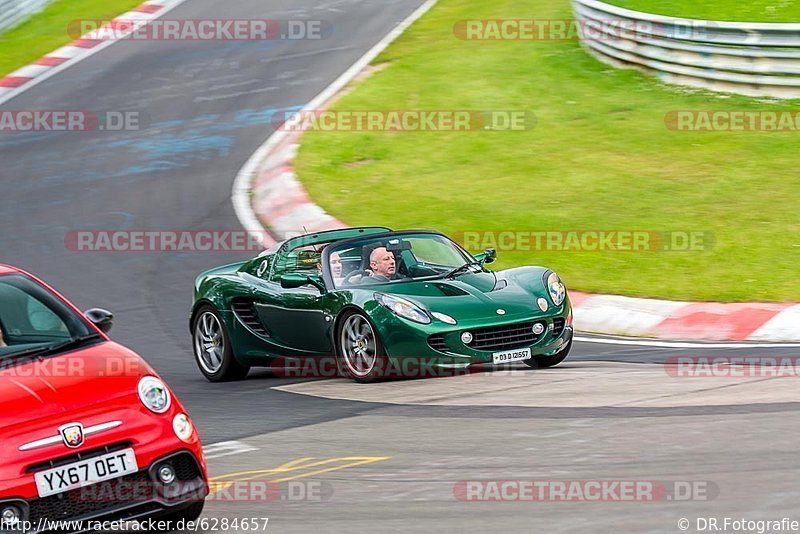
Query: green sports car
x,y
376,303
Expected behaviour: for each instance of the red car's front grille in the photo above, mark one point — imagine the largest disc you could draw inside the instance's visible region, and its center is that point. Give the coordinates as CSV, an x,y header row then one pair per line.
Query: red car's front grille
x,y
136,489
87,501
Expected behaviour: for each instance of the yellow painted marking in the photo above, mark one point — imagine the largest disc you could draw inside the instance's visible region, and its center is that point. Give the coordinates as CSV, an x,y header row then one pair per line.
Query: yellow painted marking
x,y
336,468
222,482
288,466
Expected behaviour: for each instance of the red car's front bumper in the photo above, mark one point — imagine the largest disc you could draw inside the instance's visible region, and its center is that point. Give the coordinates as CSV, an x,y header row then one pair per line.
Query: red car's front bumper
x,y
136,495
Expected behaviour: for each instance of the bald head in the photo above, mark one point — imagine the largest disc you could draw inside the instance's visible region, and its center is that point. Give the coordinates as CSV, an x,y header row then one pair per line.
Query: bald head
x,y
381,262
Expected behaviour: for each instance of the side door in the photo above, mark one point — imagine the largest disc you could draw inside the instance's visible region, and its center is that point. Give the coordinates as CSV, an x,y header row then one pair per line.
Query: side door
x,y
295,318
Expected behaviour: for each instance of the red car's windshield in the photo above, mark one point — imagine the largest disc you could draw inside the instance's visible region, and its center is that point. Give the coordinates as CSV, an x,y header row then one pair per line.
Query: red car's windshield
x,y
33,319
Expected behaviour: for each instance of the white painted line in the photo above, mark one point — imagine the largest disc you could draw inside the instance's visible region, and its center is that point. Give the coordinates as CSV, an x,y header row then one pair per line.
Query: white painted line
x,y
5,97
226,448
240,195
683,344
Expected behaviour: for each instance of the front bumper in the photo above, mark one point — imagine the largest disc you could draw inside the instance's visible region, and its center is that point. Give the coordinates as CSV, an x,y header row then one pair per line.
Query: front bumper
x,y
135,496
440,345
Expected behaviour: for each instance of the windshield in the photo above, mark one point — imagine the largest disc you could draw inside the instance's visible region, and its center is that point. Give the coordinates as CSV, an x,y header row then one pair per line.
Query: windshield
x,y
392,259
32,318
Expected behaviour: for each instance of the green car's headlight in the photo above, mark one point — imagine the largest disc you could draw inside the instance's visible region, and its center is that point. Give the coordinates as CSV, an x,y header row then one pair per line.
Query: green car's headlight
x,y
404,308
556,289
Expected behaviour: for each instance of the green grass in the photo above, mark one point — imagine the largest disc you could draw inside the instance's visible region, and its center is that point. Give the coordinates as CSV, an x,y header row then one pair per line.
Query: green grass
x,y
600,158
48,29
752,11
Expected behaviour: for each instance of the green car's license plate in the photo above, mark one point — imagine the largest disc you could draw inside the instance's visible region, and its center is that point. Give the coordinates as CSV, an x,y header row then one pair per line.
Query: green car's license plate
x,y
516,355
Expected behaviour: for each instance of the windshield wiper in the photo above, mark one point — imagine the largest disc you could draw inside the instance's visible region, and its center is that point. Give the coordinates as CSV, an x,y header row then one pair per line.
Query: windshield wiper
x,y
464,268
54,349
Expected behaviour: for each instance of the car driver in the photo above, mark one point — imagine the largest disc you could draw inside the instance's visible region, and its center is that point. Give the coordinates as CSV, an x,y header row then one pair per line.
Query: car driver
x,y
382,266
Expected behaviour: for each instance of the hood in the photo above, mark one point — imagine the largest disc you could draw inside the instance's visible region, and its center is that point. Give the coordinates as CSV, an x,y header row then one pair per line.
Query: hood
x,y
68,383
476,296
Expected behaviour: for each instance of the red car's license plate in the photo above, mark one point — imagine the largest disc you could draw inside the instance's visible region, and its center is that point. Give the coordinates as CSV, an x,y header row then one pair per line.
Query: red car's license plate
x,y
86,472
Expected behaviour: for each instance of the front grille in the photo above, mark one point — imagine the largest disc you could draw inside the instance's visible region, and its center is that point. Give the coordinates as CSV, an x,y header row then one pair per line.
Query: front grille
x,y
245,310
504,337
83,455
137,489
558,326
90,499
436,341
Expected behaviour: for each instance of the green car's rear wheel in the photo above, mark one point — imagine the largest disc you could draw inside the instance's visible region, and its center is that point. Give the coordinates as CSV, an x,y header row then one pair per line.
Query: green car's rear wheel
x,y
541,362
212,347
360,353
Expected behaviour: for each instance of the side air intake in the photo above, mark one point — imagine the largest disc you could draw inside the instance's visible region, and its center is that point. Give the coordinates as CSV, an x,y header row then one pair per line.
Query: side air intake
x,y
245,311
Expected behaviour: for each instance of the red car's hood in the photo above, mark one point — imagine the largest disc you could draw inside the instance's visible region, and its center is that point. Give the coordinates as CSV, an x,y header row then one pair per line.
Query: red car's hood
x,y
67,383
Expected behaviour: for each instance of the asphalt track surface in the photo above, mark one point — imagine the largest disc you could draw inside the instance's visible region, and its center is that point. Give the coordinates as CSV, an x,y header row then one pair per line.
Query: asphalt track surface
x,y
207,107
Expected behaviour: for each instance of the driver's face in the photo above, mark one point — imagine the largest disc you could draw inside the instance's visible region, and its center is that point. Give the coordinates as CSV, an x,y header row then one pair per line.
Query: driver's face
x,y
382,262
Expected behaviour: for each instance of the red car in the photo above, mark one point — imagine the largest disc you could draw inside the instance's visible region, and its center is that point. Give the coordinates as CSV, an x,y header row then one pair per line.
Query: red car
x,y
88,430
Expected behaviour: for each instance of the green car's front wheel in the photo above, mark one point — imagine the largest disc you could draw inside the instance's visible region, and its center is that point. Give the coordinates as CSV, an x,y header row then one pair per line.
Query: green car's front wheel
x,y
212,347
360,352
542,362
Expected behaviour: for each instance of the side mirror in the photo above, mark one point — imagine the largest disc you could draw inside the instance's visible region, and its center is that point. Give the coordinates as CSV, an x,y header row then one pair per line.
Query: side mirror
x,y
487,256
102,319
295,280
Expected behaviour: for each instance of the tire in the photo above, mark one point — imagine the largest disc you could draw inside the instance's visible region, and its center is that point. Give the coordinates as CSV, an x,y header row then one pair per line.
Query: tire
x,y
543,362
212,347
186,514
359,352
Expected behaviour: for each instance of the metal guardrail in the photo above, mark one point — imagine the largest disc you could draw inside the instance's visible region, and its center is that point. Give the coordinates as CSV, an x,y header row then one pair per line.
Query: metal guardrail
x,y
12,12
756,59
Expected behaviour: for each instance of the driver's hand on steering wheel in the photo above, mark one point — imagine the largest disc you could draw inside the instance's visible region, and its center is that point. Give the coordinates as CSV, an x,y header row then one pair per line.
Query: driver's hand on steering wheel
x,y
2,339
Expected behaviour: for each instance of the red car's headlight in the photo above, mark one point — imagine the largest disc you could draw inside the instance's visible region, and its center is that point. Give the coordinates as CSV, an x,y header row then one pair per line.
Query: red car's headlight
x,y
154,394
